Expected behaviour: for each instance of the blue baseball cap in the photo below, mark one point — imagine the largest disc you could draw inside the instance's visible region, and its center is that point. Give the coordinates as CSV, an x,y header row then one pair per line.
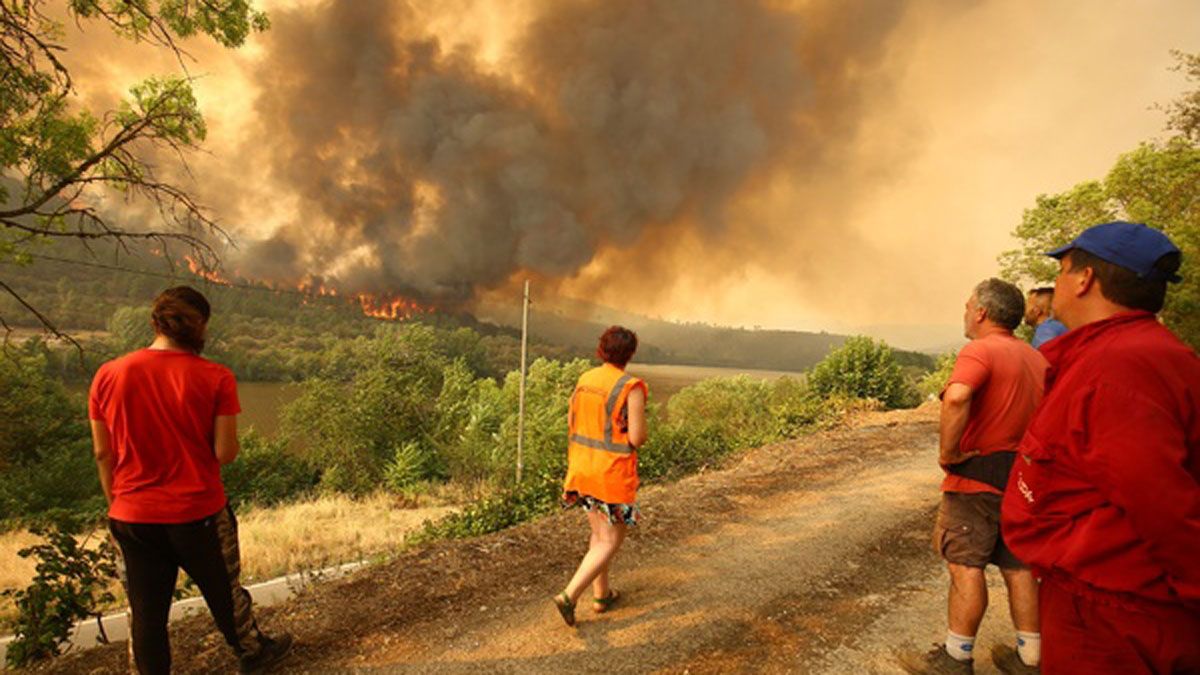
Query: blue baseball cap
x,y
1133,246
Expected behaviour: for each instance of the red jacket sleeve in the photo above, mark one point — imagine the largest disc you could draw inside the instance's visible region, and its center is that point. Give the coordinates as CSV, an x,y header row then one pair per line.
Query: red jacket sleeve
x,y
1135,450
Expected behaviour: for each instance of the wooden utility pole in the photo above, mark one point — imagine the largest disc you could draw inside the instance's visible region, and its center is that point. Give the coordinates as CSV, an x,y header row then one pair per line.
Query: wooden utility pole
x,y
521,397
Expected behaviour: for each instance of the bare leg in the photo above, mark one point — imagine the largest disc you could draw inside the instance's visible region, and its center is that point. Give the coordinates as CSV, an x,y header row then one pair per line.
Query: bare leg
x,y
968,599
600,585
605,542
1022,599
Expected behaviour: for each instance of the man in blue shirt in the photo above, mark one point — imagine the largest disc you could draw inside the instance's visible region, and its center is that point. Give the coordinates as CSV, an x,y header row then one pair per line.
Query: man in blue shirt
x,y
1037,315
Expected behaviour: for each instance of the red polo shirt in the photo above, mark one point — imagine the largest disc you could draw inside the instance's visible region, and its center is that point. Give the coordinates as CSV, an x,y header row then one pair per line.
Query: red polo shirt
x,y
1106,489
160,408
1005,375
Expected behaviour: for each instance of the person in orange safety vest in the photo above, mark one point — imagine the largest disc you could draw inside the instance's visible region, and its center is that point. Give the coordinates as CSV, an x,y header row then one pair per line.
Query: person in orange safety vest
x,y
607,424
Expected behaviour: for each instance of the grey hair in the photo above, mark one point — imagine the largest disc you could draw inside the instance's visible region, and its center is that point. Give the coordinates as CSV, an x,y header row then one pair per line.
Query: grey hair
x,y
1003,302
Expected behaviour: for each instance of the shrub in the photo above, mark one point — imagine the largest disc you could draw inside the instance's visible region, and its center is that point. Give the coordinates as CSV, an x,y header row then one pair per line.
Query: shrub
x,y
407,467
678,449
737,409
534,497
68,586
265,473
63,482
37,412
932,384
862,368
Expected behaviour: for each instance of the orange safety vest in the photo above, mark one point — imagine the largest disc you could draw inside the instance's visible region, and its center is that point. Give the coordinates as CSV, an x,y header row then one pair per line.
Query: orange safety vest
x,y
600,461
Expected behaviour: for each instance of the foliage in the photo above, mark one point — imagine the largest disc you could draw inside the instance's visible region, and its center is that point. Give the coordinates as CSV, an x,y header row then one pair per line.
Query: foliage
x,y
1184,112
265,473
130,329
62,482
353,428
738,405
69,585
37,413
1052,222
932,384
408,466
713,419
862,368
1158,183
59,161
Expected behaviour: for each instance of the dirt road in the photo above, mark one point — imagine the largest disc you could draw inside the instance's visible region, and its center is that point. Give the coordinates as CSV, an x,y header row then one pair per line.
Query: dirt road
x,y
806,556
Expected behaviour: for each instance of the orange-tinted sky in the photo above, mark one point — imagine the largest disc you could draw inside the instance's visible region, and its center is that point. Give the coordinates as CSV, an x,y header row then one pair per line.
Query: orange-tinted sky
x,y
881,175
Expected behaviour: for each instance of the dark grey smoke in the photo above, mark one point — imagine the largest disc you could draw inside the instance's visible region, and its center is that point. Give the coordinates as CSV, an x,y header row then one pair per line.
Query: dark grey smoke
x,y
624,118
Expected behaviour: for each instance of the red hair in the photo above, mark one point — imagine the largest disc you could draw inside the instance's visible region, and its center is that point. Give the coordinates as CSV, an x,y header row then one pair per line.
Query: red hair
x,y
617,346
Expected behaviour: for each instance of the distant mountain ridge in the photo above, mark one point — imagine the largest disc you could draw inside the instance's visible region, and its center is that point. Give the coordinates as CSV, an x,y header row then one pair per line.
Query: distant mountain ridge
x,y
578,323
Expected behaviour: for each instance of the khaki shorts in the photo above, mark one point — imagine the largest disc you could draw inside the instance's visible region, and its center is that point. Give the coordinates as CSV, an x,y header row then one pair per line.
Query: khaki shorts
x,y
967,531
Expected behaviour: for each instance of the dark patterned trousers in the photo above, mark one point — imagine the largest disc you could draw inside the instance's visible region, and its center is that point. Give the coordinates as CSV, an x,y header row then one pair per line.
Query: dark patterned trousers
x,y
207,550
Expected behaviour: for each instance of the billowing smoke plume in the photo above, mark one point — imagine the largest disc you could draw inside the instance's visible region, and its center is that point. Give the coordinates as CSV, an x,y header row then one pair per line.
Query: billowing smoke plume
x,y
614,122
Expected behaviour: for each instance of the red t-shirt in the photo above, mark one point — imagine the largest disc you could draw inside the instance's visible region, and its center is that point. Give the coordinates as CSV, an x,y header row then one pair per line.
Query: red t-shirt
x,y
160,408
1006,378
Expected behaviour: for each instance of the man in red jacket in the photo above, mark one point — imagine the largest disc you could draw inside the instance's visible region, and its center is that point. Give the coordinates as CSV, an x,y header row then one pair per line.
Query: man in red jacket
x,y
1104,499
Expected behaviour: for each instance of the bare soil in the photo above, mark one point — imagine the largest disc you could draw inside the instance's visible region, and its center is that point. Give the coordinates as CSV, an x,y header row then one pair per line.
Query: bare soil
x,y
806,556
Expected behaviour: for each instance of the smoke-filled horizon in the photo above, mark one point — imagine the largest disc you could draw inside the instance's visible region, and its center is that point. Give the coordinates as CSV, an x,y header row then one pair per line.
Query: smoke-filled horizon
x,y
615,126
808,164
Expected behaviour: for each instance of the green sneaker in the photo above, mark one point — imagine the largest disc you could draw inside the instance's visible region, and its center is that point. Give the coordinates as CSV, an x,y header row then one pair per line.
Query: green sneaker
x,y
1009,661
937,661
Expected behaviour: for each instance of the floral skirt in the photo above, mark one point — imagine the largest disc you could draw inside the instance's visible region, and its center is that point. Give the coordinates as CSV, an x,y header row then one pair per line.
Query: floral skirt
x,y
617,514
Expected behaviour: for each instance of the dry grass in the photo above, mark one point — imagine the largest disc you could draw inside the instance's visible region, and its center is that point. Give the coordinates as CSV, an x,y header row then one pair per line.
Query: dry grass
x,y
280,540
15,571
325,531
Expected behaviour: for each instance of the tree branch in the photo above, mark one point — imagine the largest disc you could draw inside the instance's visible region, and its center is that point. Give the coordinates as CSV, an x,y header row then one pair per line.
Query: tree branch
x,y
46,323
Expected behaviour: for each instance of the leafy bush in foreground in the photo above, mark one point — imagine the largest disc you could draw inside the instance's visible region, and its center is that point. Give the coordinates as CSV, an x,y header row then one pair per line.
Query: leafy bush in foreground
x,y
69,586
265,473
934,381
863,368
705,423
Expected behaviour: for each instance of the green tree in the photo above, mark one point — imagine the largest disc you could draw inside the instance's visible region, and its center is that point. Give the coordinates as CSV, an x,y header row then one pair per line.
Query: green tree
x,y
130,328
862,368
58,160
38,415
935,380
1184,112
1158,183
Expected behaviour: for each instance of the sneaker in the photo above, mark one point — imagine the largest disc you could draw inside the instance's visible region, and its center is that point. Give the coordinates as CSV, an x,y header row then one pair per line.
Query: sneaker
x,y
1009,661
937,661
273,651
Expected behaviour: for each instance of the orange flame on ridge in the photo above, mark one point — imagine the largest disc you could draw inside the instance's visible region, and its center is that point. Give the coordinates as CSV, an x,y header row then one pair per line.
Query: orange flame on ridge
x,y
205,272
384,306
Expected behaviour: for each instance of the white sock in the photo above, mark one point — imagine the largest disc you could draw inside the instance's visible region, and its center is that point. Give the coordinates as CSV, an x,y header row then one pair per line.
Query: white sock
x,y
959,646
1029,647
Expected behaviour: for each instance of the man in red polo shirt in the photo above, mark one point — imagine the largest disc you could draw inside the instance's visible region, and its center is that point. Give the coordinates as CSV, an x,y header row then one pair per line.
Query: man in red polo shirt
x,y
1104,499
986,404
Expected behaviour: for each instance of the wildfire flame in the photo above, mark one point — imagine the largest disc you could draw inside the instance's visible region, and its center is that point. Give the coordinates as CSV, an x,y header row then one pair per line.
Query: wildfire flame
x,y
390,308
205,272
386,306
380,306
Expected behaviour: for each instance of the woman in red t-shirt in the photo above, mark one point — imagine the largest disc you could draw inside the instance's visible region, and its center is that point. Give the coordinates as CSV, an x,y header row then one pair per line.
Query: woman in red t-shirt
x,y
164,421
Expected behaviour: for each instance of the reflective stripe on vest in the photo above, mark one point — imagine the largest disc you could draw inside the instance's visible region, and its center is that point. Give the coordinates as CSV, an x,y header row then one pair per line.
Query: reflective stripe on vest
x,y
609,408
